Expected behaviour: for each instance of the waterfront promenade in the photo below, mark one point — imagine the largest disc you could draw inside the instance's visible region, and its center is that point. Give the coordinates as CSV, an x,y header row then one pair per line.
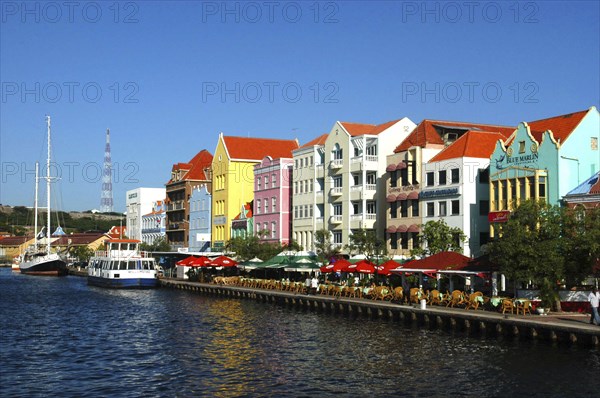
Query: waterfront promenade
x,y
556,328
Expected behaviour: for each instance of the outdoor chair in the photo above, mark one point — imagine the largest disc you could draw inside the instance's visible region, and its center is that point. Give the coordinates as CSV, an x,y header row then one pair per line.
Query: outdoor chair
x,y
475,300
398,294
523,306
415,295
435,297
508,305
456,298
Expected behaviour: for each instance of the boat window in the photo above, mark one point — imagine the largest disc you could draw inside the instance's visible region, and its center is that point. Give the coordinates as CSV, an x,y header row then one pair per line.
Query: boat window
x,y
146,264
131,265
114,265
123,265
132,246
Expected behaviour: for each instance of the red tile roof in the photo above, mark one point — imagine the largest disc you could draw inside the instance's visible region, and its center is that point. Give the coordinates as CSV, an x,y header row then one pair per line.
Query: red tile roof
x,y
474,144
255,149
561,126
320,140
78,239
248,207
14,240
357,129
117,231
195,168
425,133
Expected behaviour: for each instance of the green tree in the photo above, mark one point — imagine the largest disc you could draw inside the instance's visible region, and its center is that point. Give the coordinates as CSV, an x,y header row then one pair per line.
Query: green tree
x,y
82,253
367,243
581,246
159,245
437,236
324,247
530,246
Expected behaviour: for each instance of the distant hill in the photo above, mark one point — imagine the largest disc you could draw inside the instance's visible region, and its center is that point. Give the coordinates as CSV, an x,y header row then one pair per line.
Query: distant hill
x,y
18,220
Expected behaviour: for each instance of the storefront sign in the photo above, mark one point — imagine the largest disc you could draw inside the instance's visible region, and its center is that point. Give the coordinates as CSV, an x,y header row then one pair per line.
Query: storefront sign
x,y
498,216
438,192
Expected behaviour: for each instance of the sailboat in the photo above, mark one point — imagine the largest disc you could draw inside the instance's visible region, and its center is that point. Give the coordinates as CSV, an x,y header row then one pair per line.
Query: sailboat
x,y
40,260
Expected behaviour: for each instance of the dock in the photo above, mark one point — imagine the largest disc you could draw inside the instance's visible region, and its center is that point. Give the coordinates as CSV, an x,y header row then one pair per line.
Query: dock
x,y
557,328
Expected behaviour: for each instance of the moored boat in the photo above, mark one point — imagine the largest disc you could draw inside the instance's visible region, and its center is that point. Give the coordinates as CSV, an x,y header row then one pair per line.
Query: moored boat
x,y
122,265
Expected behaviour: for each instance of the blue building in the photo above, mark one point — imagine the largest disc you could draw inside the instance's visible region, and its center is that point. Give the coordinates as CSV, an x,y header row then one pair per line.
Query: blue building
x,y
200,216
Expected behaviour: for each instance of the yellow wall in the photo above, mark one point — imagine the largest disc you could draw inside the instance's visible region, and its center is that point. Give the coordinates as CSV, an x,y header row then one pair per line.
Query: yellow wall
x,y
233,185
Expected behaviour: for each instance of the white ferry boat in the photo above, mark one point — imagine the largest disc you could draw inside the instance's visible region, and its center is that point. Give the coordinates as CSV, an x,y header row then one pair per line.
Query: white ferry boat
x,y
122,266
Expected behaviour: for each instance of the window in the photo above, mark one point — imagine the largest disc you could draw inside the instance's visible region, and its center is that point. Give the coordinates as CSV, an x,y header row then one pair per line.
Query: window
x,y
337,210
258,206
594,143
337,152
295,211
310,209
484,207
521,146
273,179
266,182
356,151
273,229
371,208
356,179
484,176
430,209
355,208
403,208
430,178
393,241
372,150
258,184
404,240
415,208
274,204
393,179
266,203
266,227
442,177
337,238
455,207
337,182
296,163
311,185
484,237
542,187
371,178
394,210
455,176
404,176
301,210
442,208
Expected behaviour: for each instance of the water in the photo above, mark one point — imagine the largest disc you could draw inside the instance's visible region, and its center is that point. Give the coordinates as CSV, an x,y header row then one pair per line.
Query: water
x,y
60,337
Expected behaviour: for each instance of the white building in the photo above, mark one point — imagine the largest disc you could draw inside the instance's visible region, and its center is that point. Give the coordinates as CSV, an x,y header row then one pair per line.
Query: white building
x,y
346,191
140,201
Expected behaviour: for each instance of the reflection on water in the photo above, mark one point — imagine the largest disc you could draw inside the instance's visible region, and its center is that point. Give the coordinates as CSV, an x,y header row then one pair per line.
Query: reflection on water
x,y
60,337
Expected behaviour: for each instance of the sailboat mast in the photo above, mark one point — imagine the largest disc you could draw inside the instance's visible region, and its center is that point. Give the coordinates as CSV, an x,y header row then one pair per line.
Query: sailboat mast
x,y
48,233
35,204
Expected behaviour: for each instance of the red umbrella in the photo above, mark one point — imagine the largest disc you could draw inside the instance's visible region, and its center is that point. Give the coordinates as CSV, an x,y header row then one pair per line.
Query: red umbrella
x,y
387,267
365,267
186,261
326,268
200,262
223,261
341,265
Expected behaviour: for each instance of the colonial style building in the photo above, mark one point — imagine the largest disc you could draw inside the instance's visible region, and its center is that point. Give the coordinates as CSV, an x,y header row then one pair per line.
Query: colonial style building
x,y
242,225
185,176
308,186
272,199
200,216
408,175
586,195
348,189
233,177
154,223
140,201
543,160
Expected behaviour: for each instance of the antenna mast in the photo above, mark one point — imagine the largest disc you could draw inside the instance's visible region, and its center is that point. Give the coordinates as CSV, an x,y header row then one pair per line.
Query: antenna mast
x,y
106,201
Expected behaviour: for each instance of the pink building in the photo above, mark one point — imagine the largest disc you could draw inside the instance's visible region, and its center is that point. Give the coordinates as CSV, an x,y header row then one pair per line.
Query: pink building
x,y
272,199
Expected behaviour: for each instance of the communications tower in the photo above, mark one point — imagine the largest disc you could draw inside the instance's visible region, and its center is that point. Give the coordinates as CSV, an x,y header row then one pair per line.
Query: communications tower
x,y
106,201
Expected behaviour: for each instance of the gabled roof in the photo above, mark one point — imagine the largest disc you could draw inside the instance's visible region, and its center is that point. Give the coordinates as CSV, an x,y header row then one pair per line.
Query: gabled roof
x,y
357,129
426,134
320,140
591,186
194,169
561,126
14,240
116,232
255,149
248,208
474,144
79,239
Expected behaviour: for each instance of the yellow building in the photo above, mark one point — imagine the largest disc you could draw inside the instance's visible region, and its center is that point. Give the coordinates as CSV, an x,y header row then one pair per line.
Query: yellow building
x,y
233,177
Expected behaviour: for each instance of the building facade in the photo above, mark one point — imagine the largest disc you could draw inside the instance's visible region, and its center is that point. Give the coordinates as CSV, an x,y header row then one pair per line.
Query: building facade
x,y
242,225
543,160
140,201
184,177
272,199
200,216
233,177
408,174
585,195
154,223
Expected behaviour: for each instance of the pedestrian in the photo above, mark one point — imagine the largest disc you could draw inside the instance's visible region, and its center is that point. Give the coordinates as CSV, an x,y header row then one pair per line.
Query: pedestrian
x,y
405,289
314,284
594,299
307,283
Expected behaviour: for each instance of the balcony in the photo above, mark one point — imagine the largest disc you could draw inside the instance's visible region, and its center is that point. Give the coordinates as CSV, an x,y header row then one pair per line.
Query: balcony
x,y
178,226
336,164
371,187
177,205
335,219
335,191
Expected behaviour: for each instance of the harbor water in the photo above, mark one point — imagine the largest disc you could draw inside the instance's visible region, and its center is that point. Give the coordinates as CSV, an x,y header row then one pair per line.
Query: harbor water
x,y
61,337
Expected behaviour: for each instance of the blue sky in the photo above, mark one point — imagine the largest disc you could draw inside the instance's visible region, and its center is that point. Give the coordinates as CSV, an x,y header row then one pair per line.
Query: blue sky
x,y
167,77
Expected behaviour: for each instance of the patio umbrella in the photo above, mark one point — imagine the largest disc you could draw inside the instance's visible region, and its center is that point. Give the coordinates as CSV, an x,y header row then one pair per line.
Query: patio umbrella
x,y
223,261
326,268
341,265
365,267
387,267
202,261
186,261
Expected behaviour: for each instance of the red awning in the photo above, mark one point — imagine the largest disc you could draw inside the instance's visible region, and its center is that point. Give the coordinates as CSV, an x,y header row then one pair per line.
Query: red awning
x,y
413,228
391,167
390,198
402,228
391,229
401,196
401,166
413,195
